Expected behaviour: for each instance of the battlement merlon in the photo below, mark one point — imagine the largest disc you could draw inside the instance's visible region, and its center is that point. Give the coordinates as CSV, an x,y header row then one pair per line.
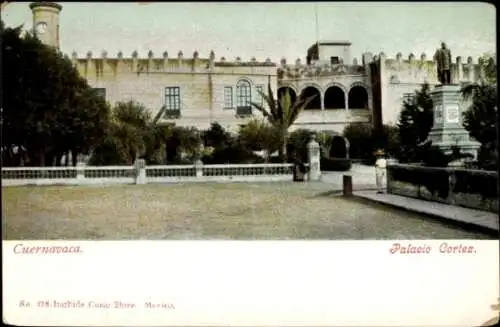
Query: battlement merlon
x,y
180,59
470,71
366,59
411,59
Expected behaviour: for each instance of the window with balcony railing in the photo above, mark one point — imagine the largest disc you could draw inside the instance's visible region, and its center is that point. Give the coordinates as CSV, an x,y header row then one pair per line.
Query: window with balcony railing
x,y
172,102
243,98
243,111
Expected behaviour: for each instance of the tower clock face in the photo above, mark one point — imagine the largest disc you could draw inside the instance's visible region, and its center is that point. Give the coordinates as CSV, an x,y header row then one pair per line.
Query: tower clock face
x,y
41,28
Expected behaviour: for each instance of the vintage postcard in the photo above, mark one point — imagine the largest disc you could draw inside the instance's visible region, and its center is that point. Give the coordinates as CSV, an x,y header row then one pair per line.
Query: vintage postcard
x,y
249,163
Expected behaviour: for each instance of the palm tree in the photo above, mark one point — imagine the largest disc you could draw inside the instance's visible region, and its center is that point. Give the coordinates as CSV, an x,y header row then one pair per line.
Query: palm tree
x,y
281,114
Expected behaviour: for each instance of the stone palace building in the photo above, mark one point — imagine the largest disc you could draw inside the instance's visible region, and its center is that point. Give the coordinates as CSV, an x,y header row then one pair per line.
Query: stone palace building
x,y
197,91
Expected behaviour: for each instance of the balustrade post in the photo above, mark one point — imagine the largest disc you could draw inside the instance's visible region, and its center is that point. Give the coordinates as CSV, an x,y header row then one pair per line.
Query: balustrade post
x,y
199,168
140,171
80,171
314,160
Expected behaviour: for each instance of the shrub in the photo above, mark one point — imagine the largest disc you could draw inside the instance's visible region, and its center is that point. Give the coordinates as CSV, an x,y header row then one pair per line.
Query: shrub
x,y
434,180
390,140
324,139
434,157
359,136
335,164
232,152
297,144
364,139
339,148
476,182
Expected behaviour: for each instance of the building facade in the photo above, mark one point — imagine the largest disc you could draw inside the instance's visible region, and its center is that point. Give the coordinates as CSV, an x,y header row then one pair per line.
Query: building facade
x,y
197,91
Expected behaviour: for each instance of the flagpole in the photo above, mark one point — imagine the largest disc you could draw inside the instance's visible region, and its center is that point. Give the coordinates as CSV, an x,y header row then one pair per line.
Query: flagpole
x,y
317,28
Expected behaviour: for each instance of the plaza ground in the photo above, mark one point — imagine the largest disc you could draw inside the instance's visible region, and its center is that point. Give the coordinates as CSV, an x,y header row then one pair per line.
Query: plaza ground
x,y
208,211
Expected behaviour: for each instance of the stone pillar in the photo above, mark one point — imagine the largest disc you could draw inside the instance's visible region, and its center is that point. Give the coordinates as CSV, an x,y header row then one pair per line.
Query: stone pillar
x,y
314,159
140,171
448,130
199,168
80,171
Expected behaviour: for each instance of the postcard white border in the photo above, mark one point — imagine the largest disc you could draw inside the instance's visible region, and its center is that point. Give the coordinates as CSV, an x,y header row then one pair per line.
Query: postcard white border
x,y
343,283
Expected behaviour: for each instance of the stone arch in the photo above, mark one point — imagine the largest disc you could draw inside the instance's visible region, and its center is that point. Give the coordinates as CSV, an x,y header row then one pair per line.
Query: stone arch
x,y
309,91
334,97
246,79
358,96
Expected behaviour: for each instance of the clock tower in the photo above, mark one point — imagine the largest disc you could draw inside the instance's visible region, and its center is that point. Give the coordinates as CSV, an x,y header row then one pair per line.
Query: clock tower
x,y
46,22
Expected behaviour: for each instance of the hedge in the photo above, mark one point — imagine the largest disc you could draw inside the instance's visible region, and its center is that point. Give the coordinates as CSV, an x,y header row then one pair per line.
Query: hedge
x,y
435,180
476,182
335,164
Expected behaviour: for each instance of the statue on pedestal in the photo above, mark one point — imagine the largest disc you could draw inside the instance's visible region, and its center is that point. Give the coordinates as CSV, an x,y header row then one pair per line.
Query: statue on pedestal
x,y
443,60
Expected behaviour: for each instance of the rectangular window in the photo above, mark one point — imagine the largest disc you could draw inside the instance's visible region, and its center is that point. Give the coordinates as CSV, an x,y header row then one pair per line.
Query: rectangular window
x,y
100,91
228,97
260,99
334,60
172,101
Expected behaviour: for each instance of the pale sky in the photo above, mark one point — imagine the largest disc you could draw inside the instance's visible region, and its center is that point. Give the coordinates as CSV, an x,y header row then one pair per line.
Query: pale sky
x,y
268,29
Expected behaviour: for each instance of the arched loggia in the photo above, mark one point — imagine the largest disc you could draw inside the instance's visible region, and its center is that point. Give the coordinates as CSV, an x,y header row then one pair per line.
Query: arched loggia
x,y
334,98
358,98
315,103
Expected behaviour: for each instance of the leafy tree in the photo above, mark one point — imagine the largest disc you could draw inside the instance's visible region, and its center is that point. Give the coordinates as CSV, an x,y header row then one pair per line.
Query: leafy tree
x,y
48,109
481,117
131,133
297,143
390,140
184,140
359,136
259,136
216,136
364,139
281,114
415,123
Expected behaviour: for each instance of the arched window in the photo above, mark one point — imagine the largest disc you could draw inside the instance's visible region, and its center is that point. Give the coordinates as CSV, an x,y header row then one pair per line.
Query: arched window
x,y
243,94
334,98
358,98
315,103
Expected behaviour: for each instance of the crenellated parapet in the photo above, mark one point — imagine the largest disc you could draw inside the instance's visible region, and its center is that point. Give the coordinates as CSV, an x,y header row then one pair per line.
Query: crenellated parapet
x,y
298,70
411,69
152,63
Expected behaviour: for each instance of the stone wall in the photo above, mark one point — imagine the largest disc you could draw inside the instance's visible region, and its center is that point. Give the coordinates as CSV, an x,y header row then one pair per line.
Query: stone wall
x,y
201,83
399,76
474,189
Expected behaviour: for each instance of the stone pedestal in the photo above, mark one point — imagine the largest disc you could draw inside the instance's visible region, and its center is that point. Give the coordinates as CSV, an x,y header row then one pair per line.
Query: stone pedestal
x,y
448,130
314,160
